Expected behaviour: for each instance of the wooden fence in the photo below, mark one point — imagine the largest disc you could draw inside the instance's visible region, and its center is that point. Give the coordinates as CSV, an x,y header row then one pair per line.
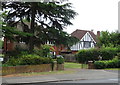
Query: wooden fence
x,y
69,57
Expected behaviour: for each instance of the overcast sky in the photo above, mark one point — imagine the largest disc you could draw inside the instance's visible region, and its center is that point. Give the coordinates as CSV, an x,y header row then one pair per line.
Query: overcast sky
x,y
99,15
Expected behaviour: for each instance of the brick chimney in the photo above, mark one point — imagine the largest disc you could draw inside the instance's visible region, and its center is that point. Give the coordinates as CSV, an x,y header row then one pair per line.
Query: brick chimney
x,y
98,33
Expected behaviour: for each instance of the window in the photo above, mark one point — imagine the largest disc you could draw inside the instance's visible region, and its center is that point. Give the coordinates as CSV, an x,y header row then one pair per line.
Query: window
x,y
87,44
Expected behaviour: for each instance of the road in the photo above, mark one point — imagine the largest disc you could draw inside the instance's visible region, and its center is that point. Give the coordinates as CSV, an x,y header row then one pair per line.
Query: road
x,y
83,82
92,81
82,76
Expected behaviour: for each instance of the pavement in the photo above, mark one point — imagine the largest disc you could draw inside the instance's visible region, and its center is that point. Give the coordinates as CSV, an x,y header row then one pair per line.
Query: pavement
x,y
79,74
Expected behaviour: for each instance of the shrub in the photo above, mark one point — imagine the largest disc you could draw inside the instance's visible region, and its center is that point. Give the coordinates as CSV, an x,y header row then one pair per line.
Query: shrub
x,y
13,62
44,51
108,53
34,60
111,64
29,60
118,54
60,60
81,56
17,53
99,64
114,63
87,55
118,63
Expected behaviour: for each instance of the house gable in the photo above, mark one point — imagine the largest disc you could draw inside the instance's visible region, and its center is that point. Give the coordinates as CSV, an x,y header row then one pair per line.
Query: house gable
x,y
87,40
81,33
88,37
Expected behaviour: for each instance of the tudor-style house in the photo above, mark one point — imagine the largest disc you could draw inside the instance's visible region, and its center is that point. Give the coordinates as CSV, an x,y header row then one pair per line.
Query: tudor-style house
x,y
87,39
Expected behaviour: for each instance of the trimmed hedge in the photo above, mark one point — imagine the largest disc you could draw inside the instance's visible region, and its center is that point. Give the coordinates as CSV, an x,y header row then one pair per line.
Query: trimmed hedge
x,y
12,62
87,55
29,60
115,63
60,60
34,60
107,53
99,64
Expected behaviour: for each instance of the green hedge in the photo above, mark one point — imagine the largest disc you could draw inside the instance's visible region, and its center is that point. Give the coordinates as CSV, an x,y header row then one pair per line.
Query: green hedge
x,y
99,64
87,55
107,53
44,51
35,60
12,62
114,63
29,60
60,60
32,59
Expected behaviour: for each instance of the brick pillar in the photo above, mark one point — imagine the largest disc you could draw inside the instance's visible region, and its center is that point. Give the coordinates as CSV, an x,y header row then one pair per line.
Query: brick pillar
x,y
55,66
90,65
60,66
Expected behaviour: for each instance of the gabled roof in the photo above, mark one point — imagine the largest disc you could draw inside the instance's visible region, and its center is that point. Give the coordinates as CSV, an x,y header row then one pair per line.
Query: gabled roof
x,y
80,33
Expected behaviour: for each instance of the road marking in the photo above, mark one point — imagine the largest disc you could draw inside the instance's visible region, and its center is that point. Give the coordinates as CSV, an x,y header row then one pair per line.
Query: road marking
x,y
114,79
110,72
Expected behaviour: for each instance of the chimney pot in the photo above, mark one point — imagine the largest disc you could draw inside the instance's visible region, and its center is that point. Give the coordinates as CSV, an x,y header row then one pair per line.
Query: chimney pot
x,y
92,30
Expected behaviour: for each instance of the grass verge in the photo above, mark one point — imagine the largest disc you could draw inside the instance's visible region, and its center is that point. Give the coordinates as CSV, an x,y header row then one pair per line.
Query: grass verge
x,y
41,73
69,68
112,69
74,65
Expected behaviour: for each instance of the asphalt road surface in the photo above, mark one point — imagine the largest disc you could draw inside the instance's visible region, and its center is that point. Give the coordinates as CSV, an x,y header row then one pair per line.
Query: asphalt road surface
x,y
82,82
92,81
95,79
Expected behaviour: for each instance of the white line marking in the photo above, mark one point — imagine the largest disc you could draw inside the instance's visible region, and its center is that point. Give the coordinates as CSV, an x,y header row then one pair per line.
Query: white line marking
x,y
114,79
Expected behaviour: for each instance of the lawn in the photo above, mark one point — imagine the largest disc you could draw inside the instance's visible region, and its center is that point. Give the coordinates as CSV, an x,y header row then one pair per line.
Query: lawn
x,y
74,65
112,69
1,55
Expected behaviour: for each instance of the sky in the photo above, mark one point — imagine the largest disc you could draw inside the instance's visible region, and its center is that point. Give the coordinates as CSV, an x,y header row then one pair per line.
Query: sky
x,y
96,15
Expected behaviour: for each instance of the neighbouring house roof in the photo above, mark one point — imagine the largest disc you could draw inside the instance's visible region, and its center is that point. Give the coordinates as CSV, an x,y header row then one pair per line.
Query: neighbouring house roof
x,y
80,33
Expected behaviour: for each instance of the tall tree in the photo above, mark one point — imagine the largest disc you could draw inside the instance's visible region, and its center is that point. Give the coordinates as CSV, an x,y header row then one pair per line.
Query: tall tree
x,y
9,31
109,39
45,16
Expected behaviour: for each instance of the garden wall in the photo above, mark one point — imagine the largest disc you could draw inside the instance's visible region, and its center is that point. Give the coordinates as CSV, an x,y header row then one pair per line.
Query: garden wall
x,y
30,68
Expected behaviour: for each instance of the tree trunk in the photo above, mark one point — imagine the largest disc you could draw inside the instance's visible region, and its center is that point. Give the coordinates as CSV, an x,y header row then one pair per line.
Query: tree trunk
x,y
31,40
